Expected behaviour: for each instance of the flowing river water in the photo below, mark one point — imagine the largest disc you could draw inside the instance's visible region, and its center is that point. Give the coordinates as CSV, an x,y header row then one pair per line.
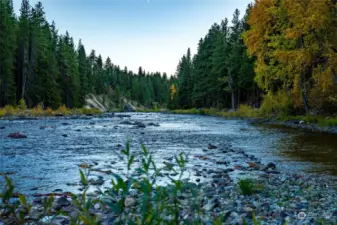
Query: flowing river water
x,y
48,159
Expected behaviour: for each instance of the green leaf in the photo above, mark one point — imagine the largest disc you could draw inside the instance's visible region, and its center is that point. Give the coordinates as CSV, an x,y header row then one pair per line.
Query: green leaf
x,y
130,161
83,178
145,151
23,199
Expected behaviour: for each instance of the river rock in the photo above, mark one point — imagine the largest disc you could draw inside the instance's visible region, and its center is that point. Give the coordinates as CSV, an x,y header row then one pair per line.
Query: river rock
x,y
60,220
99,181
37,200
17,135
129,202
126,122
210,146
1,128
63,201
270,166
140,124
153,124
69,208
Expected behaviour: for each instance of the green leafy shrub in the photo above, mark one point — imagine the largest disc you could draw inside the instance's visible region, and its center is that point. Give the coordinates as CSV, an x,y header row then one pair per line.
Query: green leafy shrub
x,y
249,186
276,103
22,104
246,187
326,122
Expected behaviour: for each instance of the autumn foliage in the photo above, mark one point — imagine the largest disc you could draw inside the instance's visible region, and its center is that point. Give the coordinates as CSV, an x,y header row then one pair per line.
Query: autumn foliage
x,y
173,91
295,43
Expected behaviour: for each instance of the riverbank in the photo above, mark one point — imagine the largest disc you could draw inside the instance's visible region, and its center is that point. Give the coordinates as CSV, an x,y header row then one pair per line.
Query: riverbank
x,y
21,111
267,195
221,177
312,123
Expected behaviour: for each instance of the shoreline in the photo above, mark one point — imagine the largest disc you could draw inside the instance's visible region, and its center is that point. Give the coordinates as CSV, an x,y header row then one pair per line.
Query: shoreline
x,y
277,196
293,123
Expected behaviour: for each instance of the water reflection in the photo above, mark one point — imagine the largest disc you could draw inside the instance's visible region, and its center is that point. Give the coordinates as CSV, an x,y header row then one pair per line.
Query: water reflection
x,y
317,149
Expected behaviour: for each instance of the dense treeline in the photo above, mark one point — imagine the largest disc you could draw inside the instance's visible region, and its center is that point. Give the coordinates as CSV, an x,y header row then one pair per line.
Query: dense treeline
x,y
282,50
281,53
220,74
42,67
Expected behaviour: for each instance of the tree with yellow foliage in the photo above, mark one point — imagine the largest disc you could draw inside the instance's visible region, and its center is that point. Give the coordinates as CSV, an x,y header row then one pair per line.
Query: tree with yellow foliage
x,y
173,91
296,47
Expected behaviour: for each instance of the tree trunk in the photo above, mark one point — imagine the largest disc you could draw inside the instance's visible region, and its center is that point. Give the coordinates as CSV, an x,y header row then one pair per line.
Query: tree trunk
x,y
238,98
303,86
24,72
304,92
233,99
231,86
321,48
31,100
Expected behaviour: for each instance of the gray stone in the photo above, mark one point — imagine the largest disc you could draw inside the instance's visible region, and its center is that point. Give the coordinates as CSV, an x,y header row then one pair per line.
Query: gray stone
x,y
63,201
129,202
17,136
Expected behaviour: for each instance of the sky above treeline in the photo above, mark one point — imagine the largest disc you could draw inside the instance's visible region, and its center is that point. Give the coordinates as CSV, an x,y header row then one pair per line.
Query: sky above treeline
x,y
153,34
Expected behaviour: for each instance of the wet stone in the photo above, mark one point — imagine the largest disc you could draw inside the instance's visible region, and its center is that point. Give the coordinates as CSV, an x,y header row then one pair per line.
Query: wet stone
x,y
17,135
63,201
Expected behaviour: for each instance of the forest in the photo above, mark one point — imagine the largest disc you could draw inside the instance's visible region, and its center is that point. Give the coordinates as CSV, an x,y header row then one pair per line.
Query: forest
x,y
280,56
43,67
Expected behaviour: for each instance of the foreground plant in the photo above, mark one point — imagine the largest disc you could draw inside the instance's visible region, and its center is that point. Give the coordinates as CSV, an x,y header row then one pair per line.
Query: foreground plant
x,y
133,198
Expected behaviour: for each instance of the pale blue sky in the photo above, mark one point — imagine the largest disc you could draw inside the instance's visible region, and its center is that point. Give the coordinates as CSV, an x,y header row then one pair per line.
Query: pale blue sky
x,y
153,34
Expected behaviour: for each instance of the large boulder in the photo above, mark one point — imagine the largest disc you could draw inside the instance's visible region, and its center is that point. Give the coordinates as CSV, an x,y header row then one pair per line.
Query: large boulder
x,y
129,108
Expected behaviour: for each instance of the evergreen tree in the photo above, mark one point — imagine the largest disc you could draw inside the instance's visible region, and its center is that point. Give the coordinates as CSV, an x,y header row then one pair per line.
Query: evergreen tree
x,y
22,54
83,72
7,50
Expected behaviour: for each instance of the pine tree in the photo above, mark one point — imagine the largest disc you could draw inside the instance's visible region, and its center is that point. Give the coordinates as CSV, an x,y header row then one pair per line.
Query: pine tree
x,y
83,72
7,50
22,54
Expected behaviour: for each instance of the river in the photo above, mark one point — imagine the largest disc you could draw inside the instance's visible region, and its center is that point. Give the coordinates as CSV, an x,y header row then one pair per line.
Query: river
x,y
49,158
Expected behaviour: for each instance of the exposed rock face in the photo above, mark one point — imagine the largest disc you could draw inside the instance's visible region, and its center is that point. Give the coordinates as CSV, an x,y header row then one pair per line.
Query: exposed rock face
x,y
97,102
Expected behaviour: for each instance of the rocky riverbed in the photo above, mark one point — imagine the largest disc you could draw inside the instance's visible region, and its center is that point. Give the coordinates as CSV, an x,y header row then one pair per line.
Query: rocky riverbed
x,y
220,153
294,198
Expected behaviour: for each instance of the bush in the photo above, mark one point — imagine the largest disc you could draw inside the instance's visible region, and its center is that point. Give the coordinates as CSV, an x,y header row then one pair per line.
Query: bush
x,y
62,110
246,187
22,104
37,111
10,110
87,111
247,111
49,112
278,103
326,122
3,112
249,186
